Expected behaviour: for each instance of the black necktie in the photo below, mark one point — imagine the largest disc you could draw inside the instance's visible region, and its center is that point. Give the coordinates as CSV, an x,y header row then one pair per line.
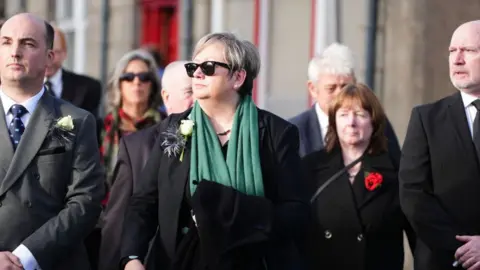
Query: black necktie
x,y
16,127
476,127
49,86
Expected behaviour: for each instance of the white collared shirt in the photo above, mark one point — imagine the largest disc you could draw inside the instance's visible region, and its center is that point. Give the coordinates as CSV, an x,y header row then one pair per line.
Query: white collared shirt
x,y
322,120
30,104
56,81
470,110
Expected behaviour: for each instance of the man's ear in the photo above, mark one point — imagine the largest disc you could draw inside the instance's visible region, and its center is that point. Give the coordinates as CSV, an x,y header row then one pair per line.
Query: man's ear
x,y
165,96
50,57
312,89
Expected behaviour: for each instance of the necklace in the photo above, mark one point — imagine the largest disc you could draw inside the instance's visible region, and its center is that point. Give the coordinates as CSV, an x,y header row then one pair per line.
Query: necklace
x,y
224,133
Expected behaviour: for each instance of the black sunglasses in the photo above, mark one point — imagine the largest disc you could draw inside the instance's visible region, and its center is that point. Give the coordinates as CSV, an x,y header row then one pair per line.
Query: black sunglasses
x,y
207,67
142,76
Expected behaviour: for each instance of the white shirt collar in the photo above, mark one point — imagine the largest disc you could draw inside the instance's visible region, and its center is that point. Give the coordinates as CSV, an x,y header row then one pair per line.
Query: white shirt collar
x,y
322,119
29,104
467,99
56,78
322,116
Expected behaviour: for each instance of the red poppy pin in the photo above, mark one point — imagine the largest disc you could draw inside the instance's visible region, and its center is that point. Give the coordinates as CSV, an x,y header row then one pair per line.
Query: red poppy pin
x,y
373,180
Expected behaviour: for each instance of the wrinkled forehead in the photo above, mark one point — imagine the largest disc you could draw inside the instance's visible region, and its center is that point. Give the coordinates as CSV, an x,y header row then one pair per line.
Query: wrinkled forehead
x,y
21,29
330,80
467,35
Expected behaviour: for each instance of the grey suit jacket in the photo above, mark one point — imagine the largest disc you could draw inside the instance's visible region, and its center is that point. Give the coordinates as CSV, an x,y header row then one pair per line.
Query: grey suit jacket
x,y
50,187
309,131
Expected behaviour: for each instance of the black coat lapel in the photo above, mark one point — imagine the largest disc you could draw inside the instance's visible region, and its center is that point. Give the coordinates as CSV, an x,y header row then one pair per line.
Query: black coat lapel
x,y
381,164
338,195
458,119
173,176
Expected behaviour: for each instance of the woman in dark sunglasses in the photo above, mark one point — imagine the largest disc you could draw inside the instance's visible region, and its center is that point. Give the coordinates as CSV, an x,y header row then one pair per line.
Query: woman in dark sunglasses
x,y
131,103
224,184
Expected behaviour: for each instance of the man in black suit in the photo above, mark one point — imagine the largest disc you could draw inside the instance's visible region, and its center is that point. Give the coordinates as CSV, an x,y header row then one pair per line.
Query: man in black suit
x,y
328,74
440,171
82,91
132,156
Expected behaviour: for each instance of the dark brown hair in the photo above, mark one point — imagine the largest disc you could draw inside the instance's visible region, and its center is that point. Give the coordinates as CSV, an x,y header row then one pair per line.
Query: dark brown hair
x,y
49,35
358,94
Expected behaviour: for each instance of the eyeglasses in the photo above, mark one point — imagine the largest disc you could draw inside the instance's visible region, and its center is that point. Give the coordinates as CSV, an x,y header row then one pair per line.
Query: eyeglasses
x,y
207,67
142,76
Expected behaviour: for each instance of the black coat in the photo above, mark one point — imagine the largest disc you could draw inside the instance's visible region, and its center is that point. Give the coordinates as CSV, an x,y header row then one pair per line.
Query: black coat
x,y
82,91
133,153
440,181
354,228
269,226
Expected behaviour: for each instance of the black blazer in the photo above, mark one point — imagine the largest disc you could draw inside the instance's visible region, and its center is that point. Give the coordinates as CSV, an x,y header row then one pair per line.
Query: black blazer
x,y
311,136
355,232
82,91
158,199
133,152
440,181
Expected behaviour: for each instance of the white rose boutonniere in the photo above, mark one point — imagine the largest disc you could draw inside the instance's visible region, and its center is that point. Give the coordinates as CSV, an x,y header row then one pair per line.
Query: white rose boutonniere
x,y
65,123
175,138
62,129
186,129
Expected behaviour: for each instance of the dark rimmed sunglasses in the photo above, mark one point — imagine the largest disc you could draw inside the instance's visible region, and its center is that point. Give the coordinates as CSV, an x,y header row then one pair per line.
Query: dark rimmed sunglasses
x,y
142,76
207,67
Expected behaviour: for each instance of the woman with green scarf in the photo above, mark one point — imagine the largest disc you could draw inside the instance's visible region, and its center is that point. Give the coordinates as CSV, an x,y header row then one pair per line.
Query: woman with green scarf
x,y
224,184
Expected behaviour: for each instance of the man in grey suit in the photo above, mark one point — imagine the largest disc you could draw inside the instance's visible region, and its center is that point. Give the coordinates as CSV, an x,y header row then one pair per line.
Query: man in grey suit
x,y
51,179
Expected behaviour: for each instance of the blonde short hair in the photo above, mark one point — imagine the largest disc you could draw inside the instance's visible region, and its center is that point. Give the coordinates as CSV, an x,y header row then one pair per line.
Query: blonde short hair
x,y
239,54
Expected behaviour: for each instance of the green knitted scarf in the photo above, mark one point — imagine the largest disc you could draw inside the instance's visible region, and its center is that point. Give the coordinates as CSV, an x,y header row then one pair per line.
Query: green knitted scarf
x,y
241,170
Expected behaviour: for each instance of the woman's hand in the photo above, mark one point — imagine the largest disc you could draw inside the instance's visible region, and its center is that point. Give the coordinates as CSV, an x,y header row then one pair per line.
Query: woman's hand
x,y
134,265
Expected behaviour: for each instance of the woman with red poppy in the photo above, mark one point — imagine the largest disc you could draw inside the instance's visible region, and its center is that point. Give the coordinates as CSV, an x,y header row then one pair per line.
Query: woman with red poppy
x,y
357,220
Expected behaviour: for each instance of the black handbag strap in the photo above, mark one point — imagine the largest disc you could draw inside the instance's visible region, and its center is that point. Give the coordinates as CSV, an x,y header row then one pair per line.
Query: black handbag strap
x,y
334,177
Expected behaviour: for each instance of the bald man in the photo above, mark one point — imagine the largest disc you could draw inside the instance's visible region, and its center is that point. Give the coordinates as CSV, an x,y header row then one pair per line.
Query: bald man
x,y
176,88
440,170
132,156
82,91
51,179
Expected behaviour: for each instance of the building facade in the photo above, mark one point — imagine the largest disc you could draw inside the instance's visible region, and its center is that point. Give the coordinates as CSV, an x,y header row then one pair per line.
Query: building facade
x,y
411,40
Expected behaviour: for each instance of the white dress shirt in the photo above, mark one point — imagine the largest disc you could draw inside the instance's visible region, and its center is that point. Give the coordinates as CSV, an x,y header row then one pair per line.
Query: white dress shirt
x,y
30,104
56,81
22,252
470,110
322,120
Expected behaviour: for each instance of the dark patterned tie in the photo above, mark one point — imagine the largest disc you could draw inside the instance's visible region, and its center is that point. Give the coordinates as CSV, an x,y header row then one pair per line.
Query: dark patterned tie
x,y
17,127
49,86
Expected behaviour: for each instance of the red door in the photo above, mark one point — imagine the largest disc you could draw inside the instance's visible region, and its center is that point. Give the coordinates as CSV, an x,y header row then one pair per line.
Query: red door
x,y
160,27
